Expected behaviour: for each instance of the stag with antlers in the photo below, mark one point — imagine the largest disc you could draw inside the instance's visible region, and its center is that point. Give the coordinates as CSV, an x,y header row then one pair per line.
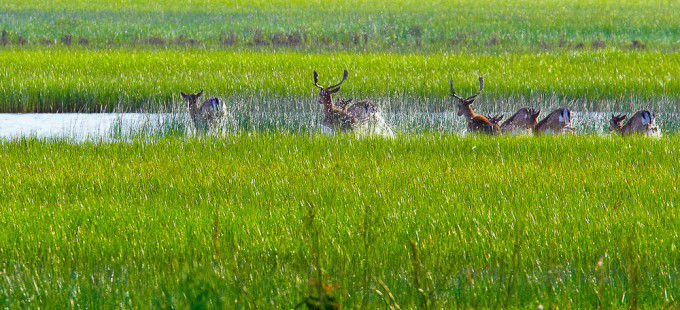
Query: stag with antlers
x,y
642,122
345,116
476,123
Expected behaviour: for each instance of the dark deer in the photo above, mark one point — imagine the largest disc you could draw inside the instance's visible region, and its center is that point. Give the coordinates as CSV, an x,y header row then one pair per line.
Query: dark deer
x,y
345,116
205,114
642,122
556,122
476,123
523,120
495,119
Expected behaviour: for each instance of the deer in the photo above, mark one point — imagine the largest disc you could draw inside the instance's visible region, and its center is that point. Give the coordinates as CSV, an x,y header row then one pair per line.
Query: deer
x,y
495,119
556,122
523,120
205,114
642,122
346,116
475,123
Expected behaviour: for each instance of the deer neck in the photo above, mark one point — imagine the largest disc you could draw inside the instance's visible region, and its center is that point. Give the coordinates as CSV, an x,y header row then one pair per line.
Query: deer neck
x,y
468,113
620,128
327,104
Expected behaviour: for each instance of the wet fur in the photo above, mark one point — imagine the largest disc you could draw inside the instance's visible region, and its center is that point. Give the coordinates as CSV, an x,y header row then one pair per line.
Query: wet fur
x,y
642,122
205,114
552,122
524,119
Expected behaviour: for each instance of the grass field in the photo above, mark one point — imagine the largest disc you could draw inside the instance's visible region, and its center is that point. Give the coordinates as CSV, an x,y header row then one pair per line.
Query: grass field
x,y
493,222
84,80
270,211
467,25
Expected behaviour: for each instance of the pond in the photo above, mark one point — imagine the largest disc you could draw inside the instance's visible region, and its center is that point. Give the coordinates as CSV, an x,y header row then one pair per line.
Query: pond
x,y
112,126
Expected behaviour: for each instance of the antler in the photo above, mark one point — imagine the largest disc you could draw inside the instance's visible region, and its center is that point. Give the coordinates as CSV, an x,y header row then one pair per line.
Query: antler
x,y
533,112
316,80
495,119
345,74
453,92
481,86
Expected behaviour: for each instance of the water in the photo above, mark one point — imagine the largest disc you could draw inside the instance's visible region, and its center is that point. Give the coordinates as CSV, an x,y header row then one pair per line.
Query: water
x,y
116,126
76,126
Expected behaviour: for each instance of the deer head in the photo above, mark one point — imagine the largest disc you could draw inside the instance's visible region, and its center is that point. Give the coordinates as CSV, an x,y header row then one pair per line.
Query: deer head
x,y
192,99
464,103
615,122
532,117
326,92
495,119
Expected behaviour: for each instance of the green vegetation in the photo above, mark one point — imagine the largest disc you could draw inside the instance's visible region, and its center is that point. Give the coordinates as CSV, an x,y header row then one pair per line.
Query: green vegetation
x,y
81,80
407,25
250,220
268,212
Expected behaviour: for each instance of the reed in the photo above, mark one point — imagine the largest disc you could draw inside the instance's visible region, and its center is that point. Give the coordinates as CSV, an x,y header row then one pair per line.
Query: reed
x,y
521,218
78,80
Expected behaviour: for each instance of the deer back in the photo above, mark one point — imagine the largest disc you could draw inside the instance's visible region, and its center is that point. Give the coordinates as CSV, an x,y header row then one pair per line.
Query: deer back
x,y
641,122
555,122
523,119
480,124
362,110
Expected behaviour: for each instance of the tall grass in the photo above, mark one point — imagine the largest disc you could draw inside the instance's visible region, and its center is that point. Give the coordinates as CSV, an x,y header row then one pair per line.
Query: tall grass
x,y
260,221
79,80
353,25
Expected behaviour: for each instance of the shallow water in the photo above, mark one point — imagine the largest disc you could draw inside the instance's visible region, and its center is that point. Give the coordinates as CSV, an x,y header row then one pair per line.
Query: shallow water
x,y
74,126
112,126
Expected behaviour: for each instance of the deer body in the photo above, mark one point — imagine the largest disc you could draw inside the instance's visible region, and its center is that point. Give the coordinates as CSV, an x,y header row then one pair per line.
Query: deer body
x,y
475,123
362,110
479,123
206,113
337,118
556,122
523,120
642,122
345,116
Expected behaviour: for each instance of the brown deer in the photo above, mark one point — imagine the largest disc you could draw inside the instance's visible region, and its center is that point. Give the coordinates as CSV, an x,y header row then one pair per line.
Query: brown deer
x,y
346,116
204,115
523,120
642,122
556,122
476,123
495,119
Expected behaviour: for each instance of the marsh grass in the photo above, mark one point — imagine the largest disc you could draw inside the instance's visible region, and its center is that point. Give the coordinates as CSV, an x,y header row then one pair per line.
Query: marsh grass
x,y
406,25
66,80
438,219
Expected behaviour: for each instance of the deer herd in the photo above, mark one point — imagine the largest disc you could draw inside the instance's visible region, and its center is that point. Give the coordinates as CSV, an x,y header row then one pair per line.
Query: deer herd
x,y
344,115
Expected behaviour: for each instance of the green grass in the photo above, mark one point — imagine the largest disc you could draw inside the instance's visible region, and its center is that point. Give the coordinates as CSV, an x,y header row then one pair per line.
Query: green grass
x,y
94,80
249,220
469,25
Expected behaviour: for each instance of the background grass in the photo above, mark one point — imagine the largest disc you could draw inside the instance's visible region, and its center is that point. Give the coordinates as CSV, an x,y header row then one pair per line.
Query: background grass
x,y
80,80
250,220
491,26
495,221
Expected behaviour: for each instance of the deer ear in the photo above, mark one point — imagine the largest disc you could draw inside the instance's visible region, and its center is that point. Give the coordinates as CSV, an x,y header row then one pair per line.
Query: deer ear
x,y
200,93
183,95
